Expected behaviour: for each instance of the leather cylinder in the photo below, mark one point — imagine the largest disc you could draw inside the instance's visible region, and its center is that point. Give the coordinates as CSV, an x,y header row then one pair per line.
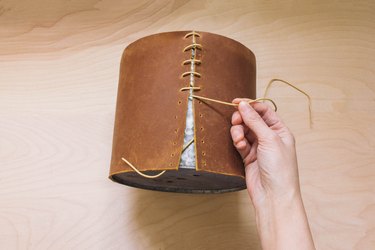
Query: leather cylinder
x,y
151,111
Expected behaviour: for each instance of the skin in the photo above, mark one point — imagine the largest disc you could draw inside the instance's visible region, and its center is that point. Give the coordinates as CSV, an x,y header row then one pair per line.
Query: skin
x,y
267,148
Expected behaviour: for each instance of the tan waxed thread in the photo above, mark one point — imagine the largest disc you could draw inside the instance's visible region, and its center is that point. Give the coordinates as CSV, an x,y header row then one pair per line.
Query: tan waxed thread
x,y
264,98
193,33
234,104
189,88
294,87
193,63
225,103
193,46
196,61
159,174
188,73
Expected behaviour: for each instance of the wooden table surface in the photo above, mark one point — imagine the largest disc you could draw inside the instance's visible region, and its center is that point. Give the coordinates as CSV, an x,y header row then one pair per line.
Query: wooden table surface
x,y
59,64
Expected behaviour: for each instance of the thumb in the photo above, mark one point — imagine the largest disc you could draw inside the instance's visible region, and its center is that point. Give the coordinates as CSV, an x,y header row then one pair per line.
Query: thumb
x,y
253,120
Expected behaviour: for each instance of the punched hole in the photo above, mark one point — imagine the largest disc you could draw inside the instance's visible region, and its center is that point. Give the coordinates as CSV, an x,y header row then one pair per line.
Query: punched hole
x,y
169,181
176,130
196,175
202,141
172,154
179,102
203,153
202,128
200,115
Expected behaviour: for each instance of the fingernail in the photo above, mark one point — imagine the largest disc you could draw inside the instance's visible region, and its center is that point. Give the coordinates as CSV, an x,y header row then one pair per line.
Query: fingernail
x,y
243,105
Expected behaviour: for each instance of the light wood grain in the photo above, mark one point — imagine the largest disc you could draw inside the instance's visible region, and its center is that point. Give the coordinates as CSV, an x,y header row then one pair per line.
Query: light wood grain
x,y
59,63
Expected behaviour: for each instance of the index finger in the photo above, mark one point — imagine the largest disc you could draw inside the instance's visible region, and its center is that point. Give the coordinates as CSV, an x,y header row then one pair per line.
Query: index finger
x,y
238,100
268,115
254,121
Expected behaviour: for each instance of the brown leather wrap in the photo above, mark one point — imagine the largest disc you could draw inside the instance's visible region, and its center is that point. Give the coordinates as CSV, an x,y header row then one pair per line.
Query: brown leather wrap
x,y
151,111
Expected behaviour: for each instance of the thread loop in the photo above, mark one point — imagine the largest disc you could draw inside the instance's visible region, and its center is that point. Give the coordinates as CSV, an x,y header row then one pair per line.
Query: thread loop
x,y
159,174
190,88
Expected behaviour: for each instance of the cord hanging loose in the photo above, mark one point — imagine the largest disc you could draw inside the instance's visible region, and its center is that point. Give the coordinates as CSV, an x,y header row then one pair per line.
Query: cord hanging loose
x,y
235,104
294,87
159,174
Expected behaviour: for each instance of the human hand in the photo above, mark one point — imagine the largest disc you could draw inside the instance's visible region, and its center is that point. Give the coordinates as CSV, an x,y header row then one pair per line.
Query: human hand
x,y
267,148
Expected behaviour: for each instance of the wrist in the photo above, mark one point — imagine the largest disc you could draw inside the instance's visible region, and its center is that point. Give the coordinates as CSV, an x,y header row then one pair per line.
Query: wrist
x,y
282,222
272,201
276,208
272,210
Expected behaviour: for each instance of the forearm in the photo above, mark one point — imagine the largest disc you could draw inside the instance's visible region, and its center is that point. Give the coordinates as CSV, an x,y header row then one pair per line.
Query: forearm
x,y
282,224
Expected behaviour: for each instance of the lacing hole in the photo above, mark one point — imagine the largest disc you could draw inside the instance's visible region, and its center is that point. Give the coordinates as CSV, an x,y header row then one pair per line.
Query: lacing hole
x,y
202,128
170,164
179,102
172,154
200,102
176,130
202,141
169,181
196,175
200,115
175,117
174,143
203,153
